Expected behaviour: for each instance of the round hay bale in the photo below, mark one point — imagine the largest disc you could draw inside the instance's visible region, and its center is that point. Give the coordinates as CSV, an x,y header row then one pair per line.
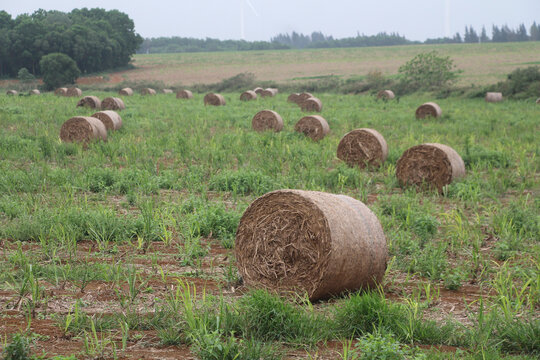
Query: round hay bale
x,y
214,99
73,92
258,90
248,95
294,98
148,91
311,242
126,92
538,101
267,120
91,101
60,91
111,119
314,126
113,103
311,104
386,95
432,165
184,94
428,109
12,92
304,96
494,97
167,91
83,129
269,92
362,147
34,92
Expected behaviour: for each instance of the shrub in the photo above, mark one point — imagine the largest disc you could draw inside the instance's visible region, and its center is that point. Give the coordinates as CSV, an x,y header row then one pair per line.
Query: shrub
x,y
18,348
427,71
58,69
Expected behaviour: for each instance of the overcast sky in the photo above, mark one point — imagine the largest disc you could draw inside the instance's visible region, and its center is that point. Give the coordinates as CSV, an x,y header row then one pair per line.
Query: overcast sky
x,y
415,19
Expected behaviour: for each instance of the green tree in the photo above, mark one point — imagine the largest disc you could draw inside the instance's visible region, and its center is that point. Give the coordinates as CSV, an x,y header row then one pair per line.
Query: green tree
x,y
428,71
58,69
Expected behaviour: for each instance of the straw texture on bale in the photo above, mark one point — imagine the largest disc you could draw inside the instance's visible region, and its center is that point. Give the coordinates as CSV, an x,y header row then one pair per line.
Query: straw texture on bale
x,y
386,94
113,103
126,92
538,101
432,165
304,96
148,91
60,91
311,242
314,126
494,97
184,94
74,92
267,120
83,129
110,119
91,101
214,99
167,91
248,95
34,92
362,147
428,109
311,104
11,92
258,90
294,98
269,92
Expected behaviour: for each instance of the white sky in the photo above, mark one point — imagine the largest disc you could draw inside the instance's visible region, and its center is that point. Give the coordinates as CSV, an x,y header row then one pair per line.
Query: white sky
x,y
415,19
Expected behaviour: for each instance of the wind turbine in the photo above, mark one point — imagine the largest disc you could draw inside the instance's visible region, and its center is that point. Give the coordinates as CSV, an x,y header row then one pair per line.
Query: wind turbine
x,y
242,22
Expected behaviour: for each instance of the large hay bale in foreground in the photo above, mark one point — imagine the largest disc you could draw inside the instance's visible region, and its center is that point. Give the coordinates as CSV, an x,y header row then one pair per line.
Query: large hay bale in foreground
x,y
270,92
113,103
428,109
386,95
363,147
311,104
126,92
12,92
167,91
184,94
214,99
258,90
83,129
34,92
148,91
494,97
294,98
310,242
430,165
73,92
248,95
60,91
267,120
111,119
90,101
314,126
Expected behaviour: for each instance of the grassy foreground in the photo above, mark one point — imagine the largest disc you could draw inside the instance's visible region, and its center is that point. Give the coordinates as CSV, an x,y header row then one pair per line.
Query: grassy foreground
x,y
106,250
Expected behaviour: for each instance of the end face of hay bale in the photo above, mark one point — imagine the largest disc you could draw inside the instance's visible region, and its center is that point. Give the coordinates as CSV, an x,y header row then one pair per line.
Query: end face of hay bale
x,y
386,95
184,94
304,96
214,99
293,98
34,92
270,92
429,165
60,91
113,103
148,91
538,101
267,120
258,90
83,129
314,126
126,92
248,95
91,101
311,242
363,147
11,92
311,104
109,118
73,92
494,97
429,109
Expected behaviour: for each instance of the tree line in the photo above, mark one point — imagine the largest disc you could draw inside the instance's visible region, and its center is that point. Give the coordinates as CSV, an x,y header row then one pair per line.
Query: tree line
x,y
96,39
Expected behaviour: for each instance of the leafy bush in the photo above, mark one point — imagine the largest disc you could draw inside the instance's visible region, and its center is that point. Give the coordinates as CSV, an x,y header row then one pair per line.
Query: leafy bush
x,y
520,83
58,69
427,71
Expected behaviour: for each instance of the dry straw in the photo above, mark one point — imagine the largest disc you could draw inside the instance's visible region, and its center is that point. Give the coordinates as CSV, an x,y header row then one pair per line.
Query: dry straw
x,y
304,96
248,95
363,147
110,119
214,99
311,104
167,91
494,97
429,165
148,91
11,92
126,92
83,129
314,126
60,91
270,92
310,242
184,94
34,92
73,92
538,101
294,98
113,103
91,101
386,95
258,90
267,120
429,109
